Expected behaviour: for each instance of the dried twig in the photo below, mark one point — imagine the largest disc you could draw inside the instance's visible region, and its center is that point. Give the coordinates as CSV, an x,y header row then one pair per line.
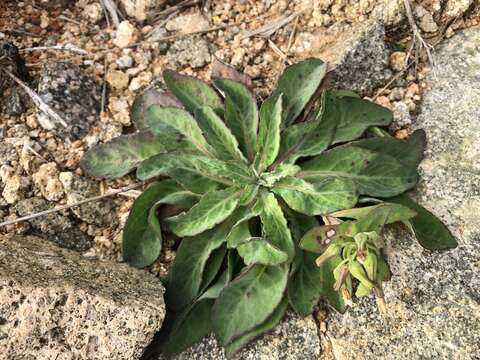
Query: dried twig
x,y
279,52
59,47
271,27
175,8
390,82
68,206
104,85
418,43
112,11
63,17
37,100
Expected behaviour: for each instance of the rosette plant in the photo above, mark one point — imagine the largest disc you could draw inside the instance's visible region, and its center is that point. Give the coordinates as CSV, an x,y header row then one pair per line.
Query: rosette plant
x,y
254,195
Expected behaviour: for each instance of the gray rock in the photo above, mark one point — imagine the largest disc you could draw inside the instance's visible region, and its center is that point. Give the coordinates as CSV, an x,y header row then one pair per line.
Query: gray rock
x,y
56,227
433,299
73,95
293,339
357,54
15,103
140,9
55,304
192,51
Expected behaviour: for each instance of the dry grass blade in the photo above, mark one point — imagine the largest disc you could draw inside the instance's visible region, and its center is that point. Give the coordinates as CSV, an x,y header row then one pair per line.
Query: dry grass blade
x,y
60,47
279,52
418,43
37,100
112,10
68,206
175,8
271,27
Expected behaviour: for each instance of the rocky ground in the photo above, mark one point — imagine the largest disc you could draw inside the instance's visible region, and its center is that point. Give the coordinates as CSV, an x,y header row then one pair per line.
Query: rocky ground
x,y
88,66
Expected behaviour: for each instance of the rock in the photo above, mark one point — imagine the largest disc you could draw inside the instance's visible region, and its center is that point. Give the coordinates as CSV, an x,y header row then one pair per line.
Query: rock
x,y
93,12
456,8
294,339
79,188
120,110
73,95
124,62
117,79
188,23
357,54
56,304
143,79
426,22
389,12
401,116
46,179
56,227
433,299
140,9
14,103
126,34
397,60
14,188
192,51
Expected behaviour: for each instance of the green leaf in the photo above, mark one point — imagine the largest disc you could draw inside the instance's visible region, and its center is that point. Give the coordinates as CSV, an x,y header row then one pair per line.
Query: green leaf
x,y
196,173
275,229
267,325
313,137
189,327
121,155
269,132
304,287
431,233
373,173
240,231
260,251
146,99
187,274
212,209
298,83
212,267
316,199
327,280
269,179
142,235
356,116
318,238
218,134
392,212
248,301
409,152
192,92
177,124
241,114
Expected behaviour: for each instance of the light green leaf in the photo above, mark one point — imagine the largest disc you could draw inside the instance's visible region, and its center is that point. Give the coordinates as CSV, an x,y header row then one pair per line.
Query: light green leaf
x,y
189,327
374,174
304,287
212,209
298,83
146,99
267,325
240,231
275,229
356,116
269,179
391,212
195,172
193,93
142,235
179,125
260,251
121,155
248,301
218,134
269,132
431,233
316,199
241,115
409,152
327,280
317,239
313,137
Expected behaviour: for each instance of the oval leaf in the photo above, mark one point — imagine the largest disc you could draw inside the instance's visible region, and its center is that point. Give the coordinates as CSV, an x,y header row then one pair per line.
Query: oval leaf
x,y
298,83
373,173
260,251
193,93
248,301
121,155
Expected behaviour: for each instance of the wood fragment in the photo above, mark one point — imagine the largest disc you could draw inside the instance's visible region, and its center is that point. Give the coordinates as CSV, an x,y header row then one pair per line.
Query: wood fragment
x,y
112,10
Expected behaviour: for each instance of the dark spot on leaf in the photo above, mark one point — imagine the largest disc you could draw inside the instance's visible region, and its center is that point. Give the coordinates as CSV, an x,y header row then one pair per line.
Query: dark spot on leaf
x,y
319,238
300,76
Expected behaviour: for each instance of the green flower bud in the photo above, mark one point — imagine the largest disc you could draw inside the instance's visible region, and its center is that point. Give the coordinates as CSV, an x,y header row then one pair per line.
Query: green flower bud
x,y
370,265
332,250
358,272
